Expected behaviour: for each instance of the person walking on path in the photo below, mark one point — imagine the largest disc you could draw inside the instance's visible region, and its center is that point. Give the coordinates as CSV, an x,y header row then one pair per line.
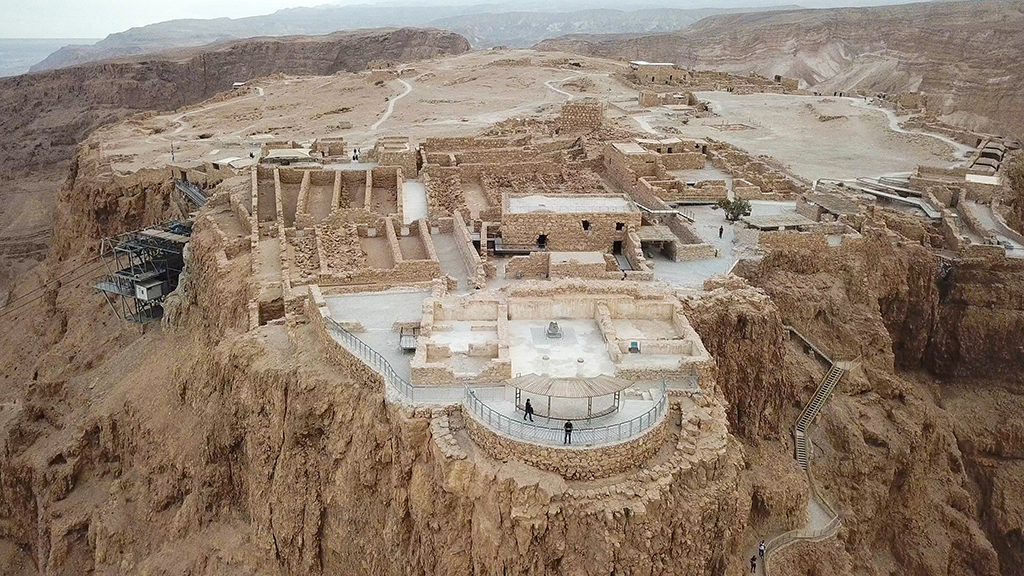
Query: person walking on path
x,y
568,432
753,564
528,411
760,549
721,230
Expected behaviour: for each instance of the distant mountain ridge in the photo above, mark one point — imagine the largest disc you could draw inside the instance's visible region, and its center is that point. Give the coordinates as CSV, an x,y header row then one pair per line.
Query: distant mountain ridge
x,y
485,25
969,56
523,29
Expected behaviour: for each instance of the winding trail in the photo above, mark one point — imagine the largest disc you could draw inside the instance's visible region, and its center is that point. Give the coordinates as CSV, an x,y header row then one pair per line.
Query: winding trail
x,y
963,151
559,90
391,104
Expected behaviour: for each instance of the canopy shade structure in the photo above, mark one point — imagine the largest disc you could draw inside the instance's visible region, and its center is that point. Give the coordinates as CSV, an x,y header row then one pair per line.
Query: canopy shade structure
x,y
568,387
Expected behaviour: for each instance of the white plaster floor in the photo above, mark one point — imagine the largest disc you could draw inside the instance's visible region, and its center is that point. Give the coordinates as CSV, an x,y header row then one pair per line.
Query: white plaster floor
x,y
709,172
581,339
461,334
637,329
378,312
708,219
575,409
414,201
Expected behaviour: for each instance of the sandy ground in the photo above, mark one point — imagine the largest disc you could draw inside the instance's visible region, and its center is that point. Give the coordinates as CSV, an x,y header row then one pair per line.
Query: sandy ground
x,y
817,137
446,96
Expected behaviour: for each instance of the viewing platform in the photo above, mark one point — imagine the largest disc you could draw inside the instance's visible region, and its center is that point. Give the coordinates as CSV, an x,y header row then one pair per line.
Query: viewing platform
x,y
612,364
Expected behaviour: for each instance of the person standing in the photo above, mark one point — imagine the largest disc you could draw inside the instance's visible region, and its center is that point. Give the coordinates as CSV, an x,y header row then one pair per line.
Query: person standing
x,y
568,432
760,550
528,411
753,564
721,230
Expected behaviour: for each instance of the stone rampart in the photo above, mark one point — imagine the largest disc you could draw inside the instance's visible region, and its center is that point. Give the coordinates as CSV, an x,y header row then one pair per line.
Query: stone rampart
x,y
576,463
580,115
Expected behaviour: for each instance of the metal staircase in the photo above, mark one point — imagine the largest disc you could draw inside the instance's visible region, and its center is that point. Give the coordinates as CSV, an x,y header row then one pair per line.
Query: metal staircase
x,y
190,191
821,395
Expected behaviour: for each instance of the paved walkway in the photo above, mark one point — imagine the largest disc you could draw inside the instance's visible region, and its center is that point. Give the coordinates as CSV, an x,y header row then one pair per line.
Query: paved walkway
x,y
984,215
642,121
451,260
817,519
963,151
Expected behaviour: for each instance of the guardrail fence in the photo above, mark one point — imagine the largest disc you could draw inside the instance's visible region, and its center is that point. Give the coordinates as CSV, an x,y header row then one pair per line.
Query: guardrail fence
x,y
583,434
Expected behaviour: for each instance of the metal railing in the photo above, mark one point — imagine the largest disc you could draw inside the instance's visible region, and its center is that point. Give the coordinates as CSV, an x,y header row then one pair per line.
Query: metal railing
x,y
582,433
786,538
376,361
190,191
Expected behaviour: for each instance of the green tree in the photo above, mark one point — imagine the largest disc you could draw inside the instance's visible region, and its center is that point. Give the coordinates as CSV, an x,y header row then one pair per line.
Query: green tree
x,y
735,209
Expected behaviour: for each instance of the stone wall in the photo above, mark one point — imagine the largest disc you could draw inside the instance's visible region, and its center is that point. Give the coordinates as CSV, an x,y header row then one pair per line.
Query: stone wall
x,y
632,249
474,265
576,463
576,269
505,155
683,161
447,144
674,190
534,265
745,190
565,231
406,159
444,191
771,180
653,74
332,148
580,115
538,265
648,99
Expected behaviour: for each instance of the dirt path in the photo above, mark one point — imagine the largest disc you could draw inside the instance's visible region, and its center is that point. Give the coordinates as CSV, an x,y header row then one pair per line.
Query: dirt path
x,y
559,90
963,151
391,104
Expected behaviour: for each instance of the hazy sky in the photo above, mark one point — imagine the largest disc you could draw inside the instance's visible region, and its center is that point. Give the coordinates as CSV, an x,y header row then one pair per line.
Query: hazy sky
x,y
97,18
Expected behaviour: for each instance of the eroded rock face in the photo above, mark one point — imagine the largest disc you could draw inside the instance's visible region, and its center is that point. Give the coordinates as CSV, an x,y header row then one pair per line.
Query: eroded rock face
x,y
742,329
915,464
202,448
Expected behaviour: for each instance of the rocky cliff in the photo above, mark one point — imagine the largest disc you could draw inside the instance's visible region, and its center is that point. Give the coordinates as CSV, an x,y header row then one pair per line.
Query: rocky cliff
x,y
516,24
44,116
967,55
202,448
908,449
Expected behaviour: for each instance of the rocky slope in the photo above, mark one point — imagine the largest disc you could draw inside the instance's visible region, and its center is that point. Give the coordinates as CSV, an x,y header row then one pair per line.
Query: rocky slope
x,y
170,452
524,29
909,449
485,25
968,55
202,449
45,115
